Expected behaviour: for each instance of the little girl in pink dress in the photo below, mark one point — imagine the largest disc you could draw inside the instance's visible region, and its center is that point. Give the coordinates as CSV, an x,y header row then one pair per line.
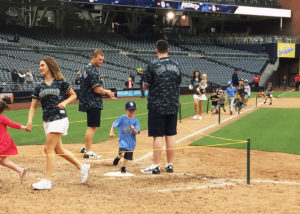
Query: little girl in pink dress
x,y
7,145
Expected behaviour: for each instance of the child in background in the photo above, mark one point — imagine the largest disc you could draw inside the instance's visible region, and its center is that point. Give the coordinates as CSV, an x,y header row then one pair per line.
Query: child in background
x,y
221,100
247,91
214,102
7,145
240,102
230,95
129,127
269,93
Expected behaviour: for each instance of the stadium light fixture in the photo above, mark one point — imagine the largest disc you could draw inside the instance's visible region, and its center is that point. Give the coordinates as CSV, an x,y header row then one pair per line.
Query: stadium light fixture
x,y
170,15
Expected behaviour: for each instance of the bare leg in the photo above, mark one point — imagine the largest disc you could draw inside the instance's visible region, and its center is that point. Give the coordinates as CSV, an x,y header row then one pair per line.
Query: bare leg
x,y
125,162
51,142
11,165
62,152
157,149
171,145
195,106
89,136
200,107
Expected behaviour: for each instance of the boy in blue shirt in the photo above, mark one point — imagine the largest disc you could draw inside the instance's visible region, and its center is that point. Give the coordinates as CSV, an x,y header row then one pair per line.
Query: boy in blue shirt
x,y
129,127
230,95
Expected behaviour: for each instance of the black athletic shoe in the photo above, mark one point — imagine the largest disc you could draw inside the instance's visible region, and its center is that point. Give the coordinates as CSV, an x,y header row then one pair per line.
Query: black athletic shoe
x,y
83,150
169,168
116,161
123,169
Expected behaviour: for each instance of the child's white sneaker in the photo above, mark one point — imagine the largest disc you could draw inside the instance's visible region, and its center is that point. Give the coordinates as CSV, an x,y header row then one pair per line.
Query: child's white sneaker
x,y
195,117
84,171
42,184
200,117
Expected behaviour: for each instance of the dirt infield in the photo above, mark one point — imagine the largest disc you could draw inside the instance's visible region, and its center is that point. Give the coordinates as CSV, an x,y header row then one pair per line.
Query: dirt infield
x,y
206,180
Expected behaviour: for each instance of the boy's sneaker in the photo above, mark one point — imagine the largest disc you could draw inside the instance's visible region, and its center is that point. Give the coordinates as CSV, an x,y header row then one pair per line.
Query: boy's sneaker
x,y
270,103
83,150
91,155
84,171
153,169
123,169
42,184
265,102
169,168
116,161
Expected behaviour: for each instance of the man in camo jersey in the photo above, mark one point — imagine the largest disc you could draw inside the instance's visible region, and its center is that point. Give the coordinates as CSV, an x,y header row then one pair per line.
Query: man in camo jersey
x,y
90,100
162,78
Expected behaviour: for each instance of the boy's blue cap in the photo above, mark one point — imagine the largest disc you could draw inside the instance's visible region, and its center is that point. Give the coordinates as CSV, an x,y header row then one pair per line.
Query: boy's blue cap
x,y
213,91
229,83
130,105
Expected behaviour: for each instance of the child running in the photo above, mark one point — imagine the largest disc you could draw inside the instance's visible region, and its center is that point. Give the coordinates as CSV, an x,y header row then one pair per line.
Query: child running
x,y
51,93
7,145
247,91
269,93
221,100
129,127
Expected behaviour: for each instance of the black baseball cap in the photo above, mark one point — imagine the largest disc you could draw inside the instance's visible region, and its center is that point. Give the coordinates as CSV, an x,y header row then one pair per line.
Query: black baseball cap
x,y
130,105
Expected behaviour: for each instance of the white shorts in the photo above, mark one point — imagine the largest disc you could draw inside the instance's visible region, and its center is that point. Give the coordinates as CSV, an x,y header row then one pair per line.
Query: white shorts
x,y
196,96
57,126
202,97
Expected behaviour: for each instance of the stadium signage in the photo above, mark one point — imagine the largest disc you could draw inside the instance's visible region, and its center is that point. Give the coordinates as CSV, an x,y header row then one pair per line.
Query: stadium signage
x,y
286,50
131,93
193,6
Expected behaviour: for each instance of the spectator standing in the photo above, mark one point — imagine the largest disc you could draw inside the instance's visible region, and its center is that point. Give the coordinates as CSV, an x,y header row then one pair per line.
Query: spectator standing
x,y
235,78
15,76
77,80
101,79
256,82
297,81
29,76
22,76
284,82
162,78
131,75
140,72
129,83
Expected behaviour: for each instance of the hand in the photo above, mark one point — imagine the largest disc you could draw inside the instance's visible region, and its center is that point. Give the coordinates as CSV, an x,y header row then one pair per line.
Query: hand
x,y
61,105
132,127
28,126
111,94
112,135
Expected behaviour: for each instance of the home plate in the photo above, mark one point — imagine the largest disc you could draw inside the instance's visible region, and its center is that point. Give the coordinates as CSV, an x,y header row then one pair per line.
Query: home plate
x,y
119,174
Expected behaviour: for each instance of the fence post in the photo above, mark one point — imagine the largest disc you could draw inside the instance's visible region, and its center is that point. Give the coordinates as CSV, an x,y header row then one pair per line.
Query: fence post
x,y
180,112
248,161
207,106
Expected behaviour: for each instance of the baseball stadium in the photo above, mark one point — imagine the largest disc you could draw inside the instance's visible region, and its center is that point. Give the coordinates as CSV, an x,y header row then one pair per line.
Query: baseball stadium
x,y
149,106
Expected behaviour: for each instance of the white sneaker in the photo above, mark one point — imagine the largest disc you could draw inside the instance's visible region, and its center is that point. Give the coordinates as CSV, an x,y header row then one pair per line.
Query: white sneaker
x,y
200,117
91,155
42,184
84,171
195,117
153,169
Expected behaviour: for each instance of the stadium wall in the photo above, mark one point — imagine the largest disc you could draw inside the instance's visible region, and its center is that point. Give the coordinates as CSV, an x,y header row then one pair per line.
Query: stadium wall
x,y
293,25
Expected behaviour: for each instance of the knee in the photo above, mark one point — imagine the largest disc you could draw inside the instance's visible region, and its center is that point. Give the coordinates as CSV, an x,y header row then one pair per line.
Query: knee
x,y
48,150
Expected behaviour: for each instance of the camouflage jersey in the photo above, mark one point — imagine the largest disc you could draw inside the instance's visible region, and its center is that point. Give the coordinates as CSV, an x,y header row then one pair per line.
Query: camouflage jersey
x,y
88,99
50,97
195,83
163,76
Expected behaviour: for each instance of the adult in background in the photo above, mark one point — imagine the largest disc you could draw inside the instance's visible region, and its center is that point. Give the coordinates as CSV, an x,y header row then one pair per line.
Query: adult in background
x,y
131,75
140,72
22,76
29,76
15,76
297,81
235,78
129,83
162,78
194,84
256,81
90,100
284,82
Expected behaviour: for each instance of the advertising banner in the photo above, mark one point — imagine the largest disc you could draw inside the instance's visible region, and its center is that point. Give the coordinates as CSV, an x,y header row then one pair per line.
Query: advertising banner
x,y
286,50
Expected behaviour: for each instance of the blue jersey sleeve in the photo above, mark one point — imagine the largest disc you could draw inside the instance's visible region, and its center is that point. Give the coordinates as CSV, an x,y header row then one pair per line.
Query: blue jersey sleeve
x,y
117,122
36,92
148,77
94,79
65,86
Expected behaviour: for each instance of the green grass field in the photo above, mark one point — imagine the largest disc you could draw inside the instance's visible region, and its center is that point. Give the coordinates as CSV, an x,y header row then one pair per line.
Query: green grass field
x,y
112,109
268,129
